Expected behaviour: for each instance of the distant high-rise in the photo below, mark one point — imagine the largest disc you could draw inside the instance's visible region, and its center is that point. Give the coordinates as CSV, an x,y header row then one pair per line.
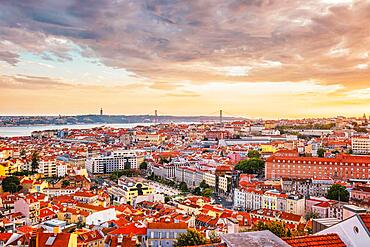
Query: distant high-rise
x,y
101,111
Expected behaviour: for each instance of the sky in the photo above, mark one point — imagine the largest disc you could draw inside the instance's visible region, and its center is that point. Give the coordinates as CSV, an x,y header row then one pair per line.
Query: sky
x,y
251,58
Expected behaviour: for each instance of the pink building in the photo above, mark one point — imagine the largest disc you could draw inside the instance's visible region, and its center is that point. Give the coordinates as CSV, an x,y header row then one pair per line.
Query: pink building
x,y
30,208
234,158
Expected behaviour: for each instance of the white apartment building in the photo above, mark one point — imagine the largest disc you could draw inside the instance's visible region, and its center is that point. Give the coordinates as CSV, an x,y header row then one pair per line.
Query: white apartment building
x,y
48,167
248,199
223,183
191,176
254,199
361,145
167,170
61,170
210,179
117,160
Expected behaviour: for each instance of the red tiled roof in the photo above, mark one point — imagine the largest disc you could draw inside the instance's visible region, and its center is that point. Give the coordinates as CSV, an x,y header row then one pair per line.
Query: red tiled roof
x,y
25,229
83,194
329,240
87,237
46,212
90,207
129,230
366,219
61,239
323,205
161,225
4,236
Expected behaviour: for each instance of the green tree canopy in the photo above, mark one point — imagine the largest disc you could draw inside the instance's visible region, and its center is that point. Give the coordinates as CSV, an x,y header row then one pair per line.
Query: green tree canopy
x,y
35,161
127,165
11,184
65,183
207,192
251,166
143,166
320,152
197,191
276,227
183,187
311,215
338,192
254,154
203,184
190,238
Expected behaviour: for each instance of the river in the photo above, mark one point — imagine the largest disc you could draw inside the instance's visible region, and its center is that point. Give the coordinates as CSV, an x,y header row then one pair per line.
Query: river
x,y
27,130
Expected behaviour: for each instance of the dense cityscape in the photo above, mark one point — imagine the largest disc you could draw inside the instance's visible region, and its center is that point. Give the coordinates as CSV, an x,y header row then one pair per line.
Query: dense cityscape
x,y
265,182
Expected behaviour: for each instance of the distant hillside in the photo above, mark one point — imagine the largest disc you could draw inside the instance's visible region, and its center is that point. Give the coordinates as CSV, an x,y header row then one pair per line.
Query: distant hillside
x,y
91,119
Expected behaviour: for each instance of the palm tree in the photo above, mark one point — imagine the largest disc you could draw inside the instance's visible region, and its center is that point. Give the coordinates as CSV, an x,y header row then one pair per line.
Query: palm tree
x,y
35,162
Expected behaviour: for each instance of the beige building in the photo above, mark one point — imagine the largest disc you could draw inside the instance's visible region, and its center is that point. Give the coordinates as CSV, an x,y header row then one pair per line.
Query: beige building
x,y
152,138
361,145
295,205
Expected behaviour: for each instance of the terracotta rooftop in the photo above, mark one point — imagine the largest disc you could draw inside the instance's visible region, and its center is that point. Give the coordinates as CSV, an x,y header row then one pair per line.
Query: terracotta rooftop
x,y
50,239
329,240
161,225
366,219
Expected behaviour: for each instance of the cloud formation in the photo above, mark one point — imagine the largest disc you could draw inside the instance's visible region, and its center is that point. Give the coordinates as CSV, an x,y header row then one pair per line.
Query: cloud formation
x,y
177,44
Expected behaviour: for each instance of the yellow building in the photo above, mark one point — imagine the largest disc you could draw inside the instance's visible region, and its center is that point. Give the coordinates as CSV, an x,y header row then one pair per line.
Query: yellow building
x,y
267,149
134,187
147,137
295,205
39,186
7,168
73,216
270,124
6,153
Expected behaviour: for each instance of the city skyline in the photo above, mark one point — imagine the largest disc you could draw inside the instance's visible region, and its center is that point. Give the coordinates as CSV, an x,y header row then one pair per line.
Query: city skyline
x,y
268,59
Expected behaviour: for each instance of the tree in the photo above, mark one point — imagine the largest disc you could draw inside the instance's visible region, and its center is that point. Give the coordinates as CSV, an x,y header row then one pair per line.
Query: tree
x,y
311,215
127,165
183,187
65,183
361,129
164,160
203,185
167,199
197,191
338,192
190,238
214,238
320,152
207,192
276,227
254,154
251,166
143,166
35,161
11,184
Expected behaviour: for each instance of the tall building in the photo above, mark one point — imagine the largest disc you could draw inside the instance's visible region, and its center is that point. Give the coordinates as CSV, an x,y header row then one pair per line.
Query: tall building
x,y
117,160
101,111
361,145
340,167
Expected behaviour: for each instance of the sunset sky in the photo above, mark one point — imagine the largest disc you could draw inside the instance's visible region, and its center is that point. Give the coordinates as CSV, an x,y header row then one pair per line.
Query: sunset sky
x,y
252,58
